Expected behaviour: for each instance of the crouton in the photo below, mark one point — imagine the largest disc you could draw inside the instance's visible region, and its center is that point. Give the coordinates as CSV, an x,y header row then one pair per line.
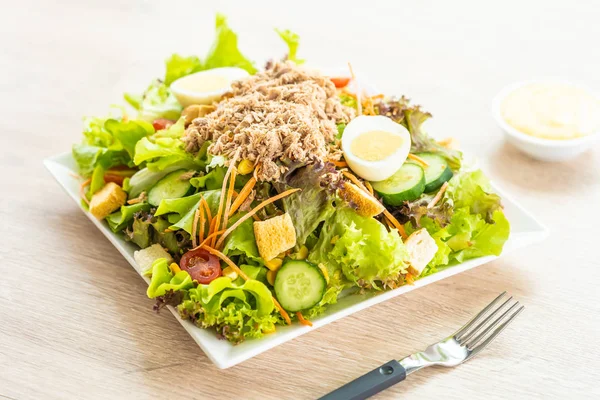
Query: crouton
x,y
108,199
421,249
145,257
367,205
274,236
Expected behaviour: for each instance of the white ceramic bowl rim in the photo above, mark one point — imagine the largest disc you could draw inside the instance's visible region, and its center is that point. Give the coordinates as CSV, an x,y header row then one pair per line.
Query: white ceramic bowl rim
x,y
497,102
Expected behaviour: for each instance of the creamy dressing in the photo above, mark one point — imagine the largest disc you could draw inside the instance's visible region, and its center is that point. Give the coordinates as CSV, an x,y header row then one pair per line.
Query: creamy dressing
x,y
552,111
205,83
375,145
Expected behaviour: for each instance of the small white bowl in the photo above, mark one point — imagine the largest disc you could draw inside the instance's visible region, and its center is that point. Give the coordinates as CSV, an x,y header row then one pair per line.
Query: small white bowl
x,y
539,148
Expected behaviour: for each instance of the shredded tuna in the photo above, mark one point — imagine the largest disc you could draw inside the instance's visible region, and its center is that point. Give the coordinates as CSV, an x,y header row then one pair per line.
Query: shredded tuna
x,y
285,113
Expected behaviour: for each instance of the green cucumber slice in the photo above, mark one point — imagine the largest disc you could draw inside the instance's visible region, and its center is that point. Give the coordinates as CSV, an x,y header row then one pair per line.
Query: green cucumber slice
x,y
436,173
299,285
407,184
169,187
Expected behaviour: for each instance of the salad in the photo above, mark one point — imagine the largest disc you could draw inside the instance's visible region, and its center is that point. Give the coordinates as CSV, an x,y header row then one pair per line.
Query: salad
x,y
259,197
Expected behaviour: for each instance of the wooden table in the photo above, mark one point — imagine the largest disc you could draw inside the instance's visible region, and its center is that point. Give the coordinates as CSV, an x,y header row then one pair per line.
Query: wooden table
x,y
74,319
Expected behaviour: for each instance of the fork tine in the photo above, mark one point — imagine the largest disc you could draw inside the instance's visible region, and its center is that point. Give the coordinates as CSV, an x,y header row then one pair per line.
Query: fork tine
x,y
467,335
495,333
466,326
470,343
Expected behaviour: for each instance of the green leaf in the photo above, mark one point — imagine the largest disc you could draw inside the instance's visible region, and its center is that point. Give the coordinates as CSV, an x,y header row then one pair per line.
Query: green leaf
x,y
179,66
292,40
163,280
224,51
211,180
242,240
128,133
97,182
158,102
119,220
184,208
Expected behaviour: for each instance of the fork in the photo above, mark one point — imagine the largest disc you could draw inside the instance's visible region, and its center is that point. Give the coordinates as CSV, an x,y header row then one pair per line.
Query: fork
x,y
463,345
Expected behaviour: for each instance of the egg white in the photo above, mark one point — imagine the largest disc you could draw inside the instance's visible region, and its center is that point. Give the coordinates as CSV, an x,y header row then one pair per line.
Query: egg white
x,y
375,170
187,97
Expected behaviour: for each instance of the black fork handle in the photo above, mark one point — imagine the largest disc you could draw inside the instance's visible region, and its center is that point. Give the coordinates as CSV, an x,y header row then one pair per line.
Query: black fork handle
x,y
371,383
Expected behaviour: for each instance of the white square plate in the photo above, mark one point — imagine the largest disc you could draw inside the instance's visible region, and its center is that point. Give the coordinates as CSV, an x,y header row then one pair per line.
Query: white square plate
x,y
525,230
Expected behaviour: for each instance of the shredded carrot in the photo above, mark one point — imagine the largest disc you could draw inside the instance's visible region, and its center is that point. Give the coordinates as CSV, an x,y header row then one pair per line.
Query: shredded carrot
x,y
438,196
358,97
244,193
395,223
339,164
256,217
283,313
229,197
202,222
223,193
227,261
204,203
139,199
195,227
369,187
302,320
355,180
208,239
418,159
254,211
449,142
377,96
168,230
82,192
76,176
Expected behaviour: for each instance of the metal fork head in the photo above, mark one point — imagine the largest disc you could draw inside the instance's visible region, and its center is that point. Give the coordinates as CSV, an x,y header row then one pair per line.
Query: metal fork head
x,y
470,339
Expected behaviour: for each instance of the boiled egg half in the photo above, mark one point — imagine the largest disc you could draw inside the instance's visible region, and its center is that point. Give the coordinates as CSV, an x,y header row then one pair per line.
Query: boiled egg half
x,y
206,87
375,147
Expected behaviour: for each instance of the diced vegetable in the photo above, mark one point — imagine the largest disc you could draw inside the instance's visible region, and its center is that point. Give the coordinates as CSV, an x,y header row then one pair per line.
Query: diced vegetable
x,y
299,285
407,184
436,173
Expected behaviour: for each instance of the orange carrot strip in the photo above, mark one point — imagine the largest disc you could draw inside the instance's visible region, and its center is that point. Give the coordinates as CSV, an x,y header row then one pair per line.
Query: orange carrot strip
x,y
204,203
302,320
227,261
396,224
355,180
223,192
244,193
339,164
256,217
195,227
82,193
283,313
202,222
418,159
369,187
254,211
228,200
208,239
438,196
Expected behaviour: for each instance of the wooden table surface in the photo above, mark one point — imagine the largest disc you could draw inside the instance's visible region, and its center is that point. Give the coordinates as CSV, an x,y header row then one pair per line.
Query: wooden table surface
x,y
74,318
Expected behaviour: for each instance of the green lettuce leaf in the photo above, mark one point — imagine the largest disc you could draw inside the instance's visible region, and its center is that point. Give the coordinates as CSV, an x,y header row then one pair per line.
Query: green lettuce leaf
x,y
119,220
361,248
163,280
224,51
292,40
237,312
473,190
157,102
211,180
178,66
145,178
128,133
242,240
184,208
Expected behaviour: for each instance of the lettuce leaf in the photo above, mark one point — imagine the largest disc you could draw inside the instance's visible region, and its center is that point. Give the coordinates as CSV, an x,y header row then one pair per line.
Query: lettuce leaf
x,y
163,280
156,102
183,209
361,248
178,66
237,312
128,133
292,40
242,242
224,51
119,220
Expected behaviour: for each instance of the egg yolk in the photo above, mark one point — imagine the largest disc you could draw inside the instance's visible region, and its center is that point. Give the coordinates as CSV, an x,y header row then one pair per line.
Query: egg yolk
x,y
375,145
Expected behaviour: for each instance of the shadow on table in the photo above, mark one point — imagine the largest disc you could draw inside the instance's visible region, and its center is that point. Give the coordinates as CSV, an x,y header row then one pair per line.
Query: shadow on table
x,y
540,176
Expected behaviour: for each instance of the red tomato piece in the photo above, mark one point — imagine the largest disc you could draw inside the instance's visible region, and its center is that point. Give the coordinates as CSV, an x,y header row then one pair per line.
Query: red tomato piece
x,y
201,265
118,179
340,81
162,123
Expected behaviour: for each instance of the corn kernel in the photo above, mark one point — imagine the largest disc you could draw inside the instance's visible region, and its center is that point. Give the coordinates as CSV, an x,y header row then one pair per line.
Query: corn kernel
x,y
245,167
323,269
174,268
271,277
274,264
230,273
302,253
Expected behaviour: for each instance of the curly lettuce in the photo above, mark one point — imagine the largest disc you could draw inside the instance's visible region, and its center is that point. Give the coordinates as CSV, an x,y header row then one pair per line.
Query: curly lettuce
x,y
237,312
361,248
163,280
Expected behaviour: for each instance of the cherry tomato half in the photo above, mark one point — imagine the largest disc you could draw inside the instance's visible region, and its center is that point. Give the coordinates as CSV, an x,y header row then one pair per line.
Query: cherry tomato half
x,y
162,123
340,81
116,178
201,265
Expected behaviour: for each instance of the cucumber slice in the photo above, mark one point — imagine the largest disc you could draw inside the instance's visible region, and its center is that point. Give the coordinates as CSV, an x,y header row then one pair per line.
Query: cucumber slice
x,y
436,173
299,285
407,184
169,187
